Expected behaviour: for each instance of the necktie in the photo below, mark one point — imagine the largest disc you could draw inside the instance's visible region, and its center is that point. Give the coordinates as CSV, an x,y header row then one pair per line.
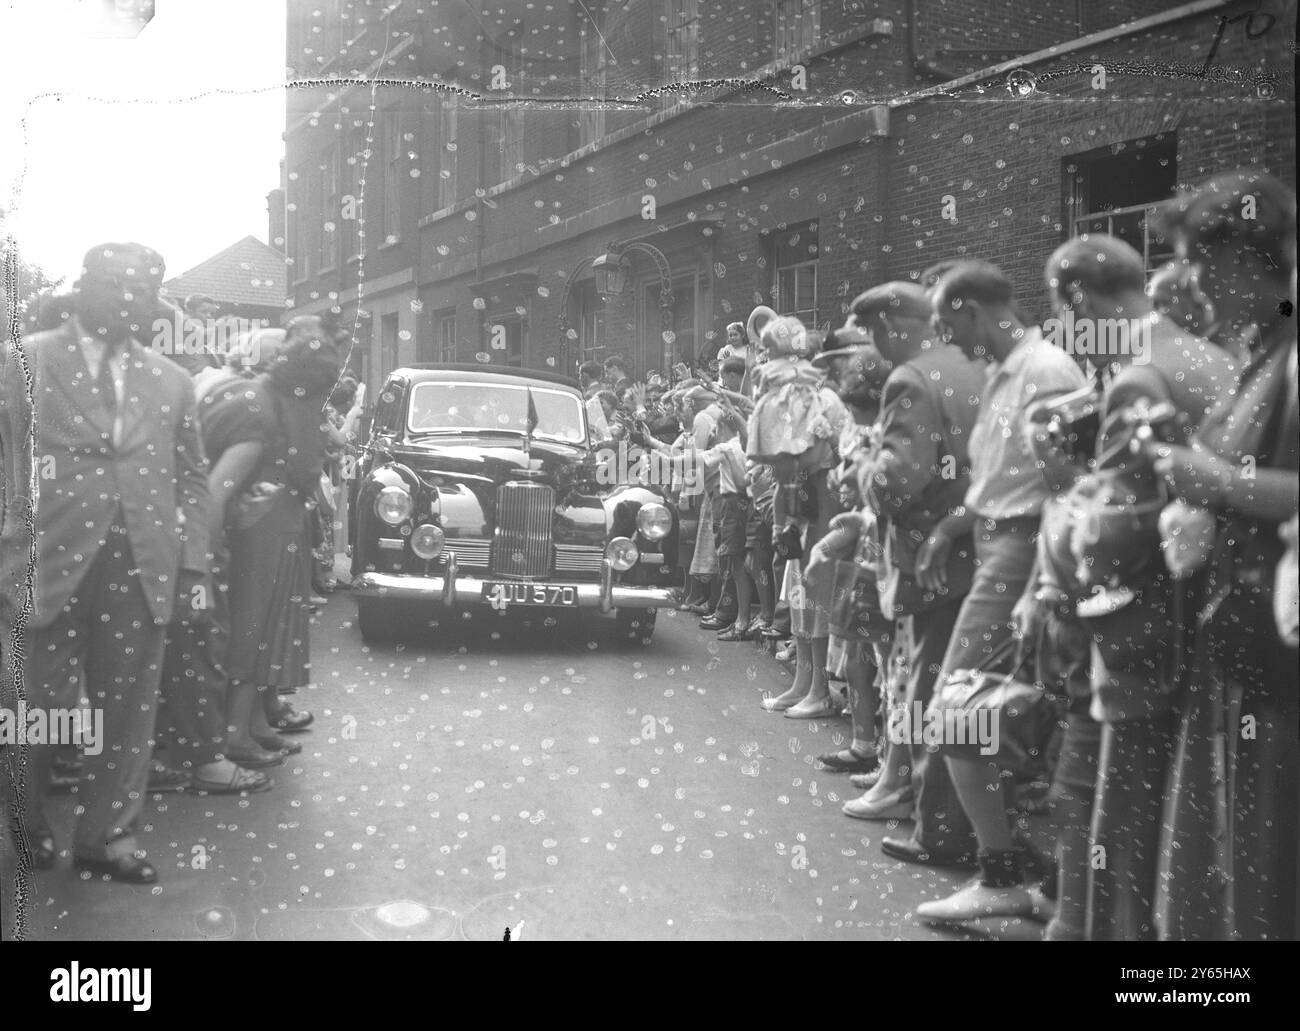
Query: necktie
x,y
104,382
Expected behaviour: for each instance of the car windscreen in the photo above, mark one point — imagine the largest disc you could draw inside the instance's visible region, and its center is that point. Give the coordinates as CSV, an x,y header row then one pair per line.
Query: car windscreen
x,y
458,406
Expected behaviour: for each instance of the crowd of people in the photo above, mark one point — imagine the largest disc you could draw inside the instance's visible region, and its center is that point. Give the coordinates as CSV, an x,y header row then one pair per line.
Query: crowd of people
x,y
941,514
1068,540
185,507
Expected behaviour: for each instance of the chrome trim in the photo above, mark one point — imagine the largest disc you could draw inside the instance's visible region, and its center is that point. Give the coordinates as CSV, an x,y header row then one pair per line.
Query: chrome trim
x,y
578,558
525,513
606,585
392,543
468,590
451,573
470,552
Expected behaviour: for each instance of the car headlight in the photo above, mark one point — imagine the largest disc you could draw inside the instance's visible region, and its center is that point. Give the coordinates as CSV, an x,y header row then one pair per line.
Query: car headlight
x,y
394,505
654,521
427,541
622,554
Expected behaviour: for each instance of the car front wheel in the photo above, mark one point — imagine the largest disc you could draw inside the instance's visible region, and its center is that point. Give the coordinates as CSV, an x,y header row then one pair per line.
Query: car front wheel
x,y
635,626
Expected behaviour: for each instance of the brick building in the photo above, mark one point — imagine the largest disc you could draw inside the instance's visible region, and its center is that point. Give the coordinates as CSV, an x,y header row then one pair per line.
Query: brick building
x,y
823,145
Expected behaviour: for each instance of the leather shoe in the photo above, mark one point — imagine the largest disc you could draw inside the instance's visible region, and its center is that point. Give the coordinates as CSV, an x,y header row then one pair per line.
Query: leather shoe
x,y
122,868
848,761
714,623
909,850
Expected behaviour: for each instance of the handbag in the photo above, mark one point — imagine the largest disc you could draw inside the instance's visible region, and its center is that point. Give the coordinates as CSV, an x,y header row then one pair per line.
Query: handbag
x,y
995,717
855,605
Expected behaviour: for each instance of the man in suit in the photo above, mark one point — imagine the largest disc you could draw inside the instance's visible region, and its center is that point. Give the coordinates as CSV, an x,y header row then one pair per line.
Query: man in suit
x,y
919,473
121,498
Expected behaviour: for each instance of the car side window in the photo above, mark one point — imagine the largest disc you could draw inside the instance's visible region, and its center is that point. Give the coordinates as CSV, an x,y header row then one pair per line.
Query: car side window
x,y
388,412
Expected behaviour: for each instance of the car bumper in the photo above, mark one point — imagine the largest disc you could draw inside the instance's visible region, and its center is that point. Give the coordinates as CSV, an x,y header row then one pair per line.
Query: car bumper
x,y
454,588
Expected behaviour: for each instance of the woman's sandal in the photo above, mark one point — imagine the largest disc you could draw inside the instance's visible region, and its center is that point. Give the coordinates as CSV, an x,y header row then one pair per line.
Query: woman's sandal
x,y
242,781
824,713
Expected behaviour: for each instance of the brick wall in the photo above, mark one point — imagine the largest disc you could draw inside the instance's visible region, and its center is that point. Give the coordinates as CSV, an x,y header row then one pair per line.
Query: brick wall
x,y
878,202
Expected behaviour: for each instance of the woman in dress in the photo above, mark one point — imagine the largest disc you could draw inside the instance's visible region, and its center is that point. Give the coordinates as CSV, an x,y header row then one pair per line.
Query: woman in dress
x,y
266,437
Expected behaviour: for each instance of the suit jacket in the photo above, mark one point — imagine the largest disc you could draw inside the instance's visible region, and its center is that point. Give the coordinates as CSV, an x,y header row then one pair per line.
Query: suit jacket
x,y
921,468
157,473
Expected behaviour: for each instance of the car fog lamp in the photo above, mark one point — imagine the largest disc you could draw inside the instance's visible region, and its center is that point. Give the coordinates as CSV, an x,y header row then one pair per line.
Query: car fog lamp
x,y
427,541
622,554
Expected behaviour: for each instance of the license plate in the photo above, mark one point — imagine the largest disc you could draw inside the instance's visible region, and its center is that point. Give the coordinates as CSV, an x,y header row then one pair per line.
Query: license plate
x,y
500,595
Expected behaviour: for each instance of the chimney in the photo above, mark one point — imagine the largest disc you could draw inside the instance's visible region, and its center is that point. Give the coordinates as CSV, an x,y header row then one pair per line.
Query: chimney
x,y
277,216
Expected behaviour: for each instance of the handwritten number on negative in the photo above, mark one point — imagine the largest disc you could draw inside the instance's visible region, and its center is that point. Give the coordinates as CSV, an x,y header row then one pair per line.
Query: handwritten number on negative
x,y
1225,21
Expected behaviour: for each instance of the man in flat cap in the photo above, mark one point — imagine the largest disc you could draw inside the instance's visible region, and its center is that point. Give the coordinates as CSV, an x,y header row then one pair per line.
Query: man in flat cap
x,y
917,475
121,507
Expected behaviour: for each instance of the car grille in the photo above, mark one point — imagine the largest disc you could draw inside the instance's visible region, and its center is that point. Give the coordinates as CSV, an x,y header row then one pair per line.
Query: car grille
x,y
576,558
472,554
522,545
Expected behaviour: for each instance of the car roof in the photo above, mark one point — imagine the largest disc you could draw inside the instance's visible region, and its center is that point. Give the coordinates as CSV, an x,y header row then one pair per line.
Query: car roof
x,y
423,372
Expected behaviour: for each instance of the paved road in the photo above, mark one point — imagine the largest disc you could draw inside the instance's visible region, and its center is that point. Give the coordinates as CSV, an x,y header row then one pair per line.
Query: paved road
x,y
544,781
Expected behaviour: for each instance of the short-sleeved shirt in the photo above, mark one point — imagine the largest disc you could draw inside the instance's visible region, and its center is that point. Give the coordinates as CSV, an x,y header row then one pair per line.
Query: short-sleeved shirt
x,y
239,411
1006,481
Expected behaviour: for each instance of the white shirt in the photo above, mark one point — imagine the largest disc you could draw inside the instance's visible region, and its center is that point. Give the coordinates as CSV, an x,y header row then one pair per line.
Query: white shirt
x,y
729,459
92,351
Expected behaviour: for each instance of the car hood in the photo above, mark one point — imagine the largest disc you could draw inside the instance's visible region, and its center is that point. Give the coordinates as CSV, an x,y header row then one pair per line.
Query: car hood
x,y
491,455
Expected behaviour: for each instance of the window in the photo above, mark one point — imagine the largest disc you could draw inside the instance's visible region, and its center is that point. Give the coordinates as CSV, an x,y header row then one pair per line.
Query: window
x,y
444,323
327,256
592,57
446,152
392,169
441,407
683,60
798,27
1115,190
510,122
794,260
508,340
299,205
388,341
351,209
590,324
684,347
